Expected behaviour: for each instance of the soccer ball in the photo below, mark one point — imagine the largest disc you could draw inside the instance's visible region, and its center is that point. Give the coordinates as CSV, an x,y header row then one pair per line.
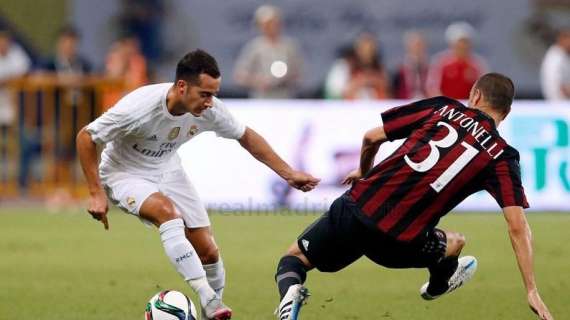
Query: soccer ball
x,y
170,305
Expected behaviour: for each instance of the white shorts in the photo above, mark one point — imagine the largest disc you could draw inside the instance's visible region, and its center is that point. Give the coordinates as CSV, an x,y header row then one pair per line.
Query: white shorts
x,y
128,192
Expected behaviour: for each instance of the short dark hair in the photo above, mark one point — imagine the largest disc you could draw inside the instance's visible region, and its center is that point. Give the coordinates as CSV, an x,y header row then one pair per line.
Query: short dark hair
x,y
498,90
194,63
68,31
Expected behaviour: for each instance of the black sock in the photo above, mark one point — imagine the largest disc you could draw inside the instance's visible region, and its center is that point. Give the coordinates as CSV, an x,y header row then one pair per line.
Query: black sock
x,y
440,273
290,271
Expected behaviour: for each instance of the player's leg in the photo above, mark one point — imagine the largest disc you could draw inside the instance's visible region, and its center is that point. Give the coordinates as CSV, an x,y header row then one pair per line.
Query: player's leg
x,y
159,210
184,196
198,231
442,269
329,245
141,196
290,277
449,272
207,249
292,269
438,252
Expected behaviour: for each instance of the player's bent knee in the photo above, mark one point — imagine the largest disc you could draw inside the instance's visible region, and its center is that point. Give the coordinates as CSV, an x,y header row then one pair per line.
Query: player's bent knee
x,y
165,211
296,252
210,255
158,209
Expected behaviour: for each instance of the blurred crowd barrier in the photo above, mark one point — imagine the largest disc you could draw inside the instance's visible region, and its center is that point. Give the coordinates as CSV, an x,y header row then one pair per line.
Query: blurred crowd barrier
x,y
37,149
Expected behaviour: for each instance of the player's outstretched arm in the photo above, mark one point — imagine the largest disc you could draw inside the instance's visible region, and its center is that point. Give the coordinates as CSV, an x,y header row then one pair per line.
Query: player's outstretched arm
x,y
87,151
371,142
262,151
521,239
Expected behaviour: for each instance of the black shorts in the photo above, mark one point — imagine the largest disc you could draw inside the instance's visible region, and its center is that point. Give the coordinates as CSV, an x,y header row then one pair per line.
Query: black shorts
x,y
338,238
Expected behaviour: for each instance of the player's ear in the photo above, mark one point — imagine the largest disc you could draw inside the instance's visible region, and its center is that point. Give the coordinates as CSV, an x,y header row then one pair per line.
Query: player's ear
x,y
477,96
181,87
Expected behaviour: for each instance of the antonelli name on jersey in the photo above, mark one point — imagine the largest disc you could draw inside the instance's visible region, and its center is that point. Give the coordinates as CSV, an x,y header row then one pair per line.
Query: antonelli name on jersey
x,y
473,127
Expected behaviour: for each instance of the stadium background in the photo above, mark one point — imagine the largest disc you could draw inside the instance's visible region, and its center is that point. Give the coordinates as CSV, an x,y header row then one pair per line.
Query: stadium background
x,y
57,264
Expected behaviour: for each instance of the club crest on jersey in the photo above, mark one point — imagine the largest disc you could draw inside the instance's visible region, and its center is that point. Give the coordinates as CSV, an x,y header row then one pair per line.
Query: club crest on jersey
x,y
174,133
193,130
131,201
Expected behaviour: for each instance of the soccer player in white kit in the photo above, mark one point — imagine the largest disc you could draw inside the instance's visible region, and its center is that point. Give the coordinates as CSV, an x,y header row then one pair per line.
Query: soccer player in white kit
x,y
141,173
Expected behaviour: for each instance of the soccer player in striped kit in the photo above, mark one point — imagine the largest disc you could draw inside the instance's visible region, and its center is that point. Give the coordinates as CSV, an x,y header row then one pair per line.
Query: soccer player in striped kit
x,y
391,212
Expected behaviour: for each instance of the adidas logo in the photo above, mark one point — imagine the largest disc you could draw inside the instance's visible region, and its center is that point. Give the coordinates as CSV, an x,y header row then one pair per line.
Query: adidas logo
x,y
305,244
152,138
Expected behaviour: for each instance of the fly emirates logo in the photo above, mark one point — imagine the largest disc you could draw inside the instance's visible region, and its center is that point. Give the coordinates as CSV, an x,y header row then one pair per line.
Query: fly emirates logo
x,y
474,128
164,149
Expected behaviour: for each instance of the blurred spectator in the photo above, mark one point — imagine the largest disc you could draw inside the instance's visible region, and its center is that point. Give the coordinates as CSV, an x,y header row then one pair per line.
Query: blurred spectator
x,y
70,68
126,63
555,70
411,76
14,62
269,66
67,61
142,19
367,76
454,71
339,73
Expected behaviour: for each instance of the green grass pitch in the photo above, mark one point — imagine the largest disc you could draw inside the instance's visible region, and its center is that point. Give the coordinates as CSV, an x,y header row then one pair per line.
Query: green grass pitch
x,y
66,266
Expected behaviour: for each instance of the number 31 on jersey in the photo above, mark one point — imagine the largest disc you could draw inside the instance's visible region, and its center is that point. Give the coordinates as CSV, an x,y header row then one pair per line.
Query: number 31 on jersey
x,y
433,157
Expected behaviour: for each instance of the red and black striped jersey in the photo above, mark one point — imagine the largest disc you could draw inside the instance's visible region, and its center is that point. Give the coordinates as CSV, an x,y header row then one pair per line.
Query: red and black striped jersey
x,y
451,152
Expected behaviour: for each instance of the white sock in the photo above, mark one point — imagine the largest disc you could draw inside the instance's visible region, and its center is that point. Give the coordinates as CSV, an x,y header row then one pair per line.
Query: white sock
x,y
203,289
216,275
184,258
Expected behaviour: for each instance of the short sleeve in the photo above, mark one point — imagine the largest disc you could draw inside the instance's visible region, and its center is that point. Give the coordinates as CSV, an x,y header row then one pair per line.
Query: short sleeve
x,y
399,122
225,124
504,183
111,124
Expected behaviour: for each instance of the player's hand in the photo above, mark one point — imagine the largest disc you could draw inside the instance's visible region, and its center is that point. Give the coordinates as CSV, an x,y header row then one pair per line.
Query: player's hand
x,y
352,177
537,306
98,207
302,181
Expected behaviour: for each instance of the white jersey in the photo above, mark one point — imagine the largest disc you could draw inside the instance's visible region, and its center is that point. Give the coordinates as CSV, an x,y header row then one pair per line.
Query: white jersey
x,y
142,137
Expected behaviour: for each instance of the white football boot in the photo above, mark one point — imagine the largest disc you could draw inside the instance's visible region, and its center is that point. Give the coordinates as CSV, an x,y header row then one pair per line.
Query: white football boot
x,y
466,268
216,310
291,303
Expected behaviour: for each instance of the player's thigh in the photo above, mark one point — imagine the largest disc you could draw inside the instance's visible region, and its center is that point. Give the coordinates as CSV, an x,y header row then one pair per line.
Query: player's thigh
x,y
177,187
128,192
331,242
203,241
422,253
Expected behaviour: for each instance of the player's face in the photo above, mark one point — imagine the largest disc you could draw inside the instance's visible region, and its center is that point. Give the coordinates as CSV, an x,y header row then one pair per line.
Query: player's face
x,y
199,97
